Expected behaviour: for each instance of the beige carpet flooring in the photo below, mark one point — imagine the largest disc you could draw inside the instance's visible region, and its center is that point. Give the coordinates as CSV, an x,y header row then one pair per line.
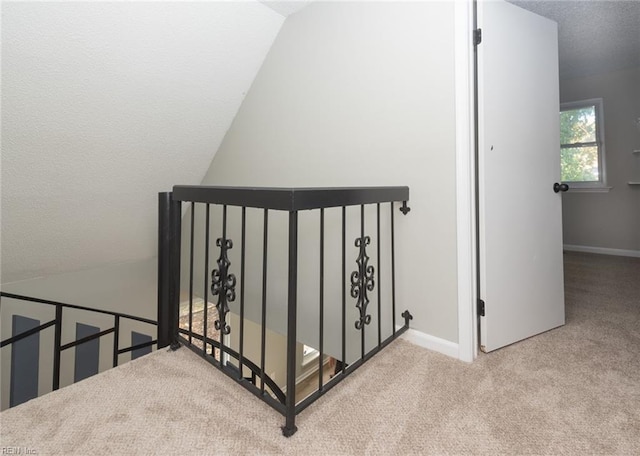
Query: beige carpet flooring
x,y
574,390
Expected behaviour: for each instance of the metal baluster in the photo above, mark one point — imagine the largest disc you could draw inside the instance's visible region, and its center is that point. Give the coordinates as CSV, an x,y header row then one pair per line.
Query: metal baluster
x,y
191,274
393,274
379,278
241,351
321,329
362,290
206,287
344,287
175,219
223,323
56,348
223,285
263,336
290,427
116,338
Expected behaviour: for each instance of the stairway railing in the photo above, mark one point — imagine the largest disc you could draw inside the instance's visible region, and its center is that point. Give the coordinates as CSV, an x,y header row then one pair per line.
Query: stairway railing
x,y
57,324
220,282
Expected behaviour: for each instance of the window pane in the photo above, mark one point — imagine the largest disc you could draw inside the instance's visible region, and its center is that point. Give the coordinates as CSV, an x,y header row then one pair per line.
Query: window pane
x,y
579,164
578,125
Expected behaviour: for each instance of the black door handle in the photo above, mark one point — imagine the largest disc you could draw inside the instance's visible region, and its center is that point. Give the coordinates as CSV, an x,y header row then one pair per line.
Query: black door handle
x,y
560,187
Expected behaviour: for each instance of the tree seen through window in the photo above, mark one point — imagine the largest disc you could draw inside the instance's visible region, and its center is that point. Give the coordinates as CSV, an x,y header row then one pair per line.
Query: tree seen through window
x,y
580,140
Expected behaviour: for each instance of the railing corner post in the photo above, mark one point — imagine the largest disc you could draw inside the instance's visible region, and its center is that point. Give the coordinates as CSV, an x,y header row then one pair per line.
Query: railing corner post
x,y
169,221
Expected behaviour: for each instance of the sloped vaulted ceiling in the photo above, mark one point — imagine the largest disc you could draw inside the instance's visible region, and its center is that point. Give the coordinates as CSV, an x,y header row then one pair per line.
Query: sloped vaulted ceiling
x,y
103,106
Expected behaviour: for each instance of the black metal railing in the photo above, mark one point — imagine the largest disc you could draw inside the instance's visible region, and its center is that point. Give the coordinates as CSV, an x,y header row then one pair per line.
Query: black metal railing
x,y
57,323
221,283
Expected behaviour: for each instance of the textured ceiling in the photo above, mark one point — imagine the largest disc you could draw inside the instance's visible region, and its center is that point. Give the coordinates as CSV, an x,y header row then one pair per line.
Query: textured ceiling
x,y
103,106
593,36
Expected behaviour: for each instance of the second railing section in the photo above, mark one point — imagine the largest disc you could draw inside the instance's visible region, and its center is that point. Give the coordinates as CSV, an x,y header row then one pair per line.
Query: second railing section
x,y
286,290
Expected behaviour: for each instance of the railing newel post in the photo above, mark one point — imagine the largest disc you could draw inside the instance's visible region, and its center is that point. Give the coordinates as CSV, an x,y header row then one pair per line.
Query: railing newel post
x,y
169,221
164,268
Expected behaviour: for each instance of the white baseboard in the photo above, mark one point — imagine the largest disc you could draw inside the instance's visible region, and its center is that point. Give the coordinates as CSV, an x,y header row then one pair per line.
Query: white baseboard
x,y
602,250
432,343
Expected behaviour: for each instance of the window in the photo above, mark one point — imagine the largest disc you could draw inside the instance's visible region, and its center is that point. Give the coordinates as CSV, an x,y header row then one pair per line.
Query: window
x,y
309,354
582,144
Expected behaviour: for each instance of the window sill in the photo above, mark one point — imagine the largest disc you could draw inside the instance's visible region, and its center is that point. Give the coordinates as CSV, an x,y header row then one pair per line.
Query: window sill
x,y
589,189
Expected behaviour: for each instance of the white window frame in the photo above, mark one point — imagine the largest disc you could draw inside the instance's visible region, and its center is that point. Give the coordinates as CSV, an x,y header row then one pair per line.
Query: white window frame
x,y
310,356
601,184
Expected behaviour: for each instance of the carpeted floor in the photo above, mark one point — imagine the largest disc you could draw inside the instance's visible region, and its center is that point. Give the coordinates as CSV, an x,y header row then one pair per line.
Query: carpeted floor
x,y
574,390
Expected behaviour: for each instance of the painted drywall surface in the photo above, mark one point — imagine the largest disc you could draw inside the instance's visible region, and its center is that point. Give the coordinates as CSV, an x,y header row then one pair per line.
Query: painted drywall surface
x,y
355,94
608,220
275,351
129,288
106,104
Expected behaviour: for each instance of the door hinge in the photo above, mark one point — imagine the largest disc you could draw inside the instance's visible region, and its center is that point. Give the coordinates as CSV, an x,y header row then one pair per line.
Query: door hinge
x,y
477,37
481,307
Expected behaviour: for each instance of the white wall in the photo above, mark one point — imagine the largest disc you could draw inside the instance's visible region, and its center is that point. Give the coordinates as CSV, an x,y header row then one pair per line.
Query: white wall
x,y
607,221
275,351
104,105
356,94
275,354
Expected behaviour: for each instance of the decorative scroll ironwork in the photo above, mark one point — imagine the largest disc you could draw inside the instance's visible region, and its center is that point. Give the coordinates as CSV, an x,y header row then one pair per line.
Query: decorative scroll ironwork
x,y
223,285
362,281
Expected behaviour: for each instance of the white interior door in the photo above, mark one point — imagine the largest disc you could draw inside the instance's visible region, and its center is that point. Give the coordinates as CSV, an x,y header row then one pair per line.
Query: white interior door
x,y
521,271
